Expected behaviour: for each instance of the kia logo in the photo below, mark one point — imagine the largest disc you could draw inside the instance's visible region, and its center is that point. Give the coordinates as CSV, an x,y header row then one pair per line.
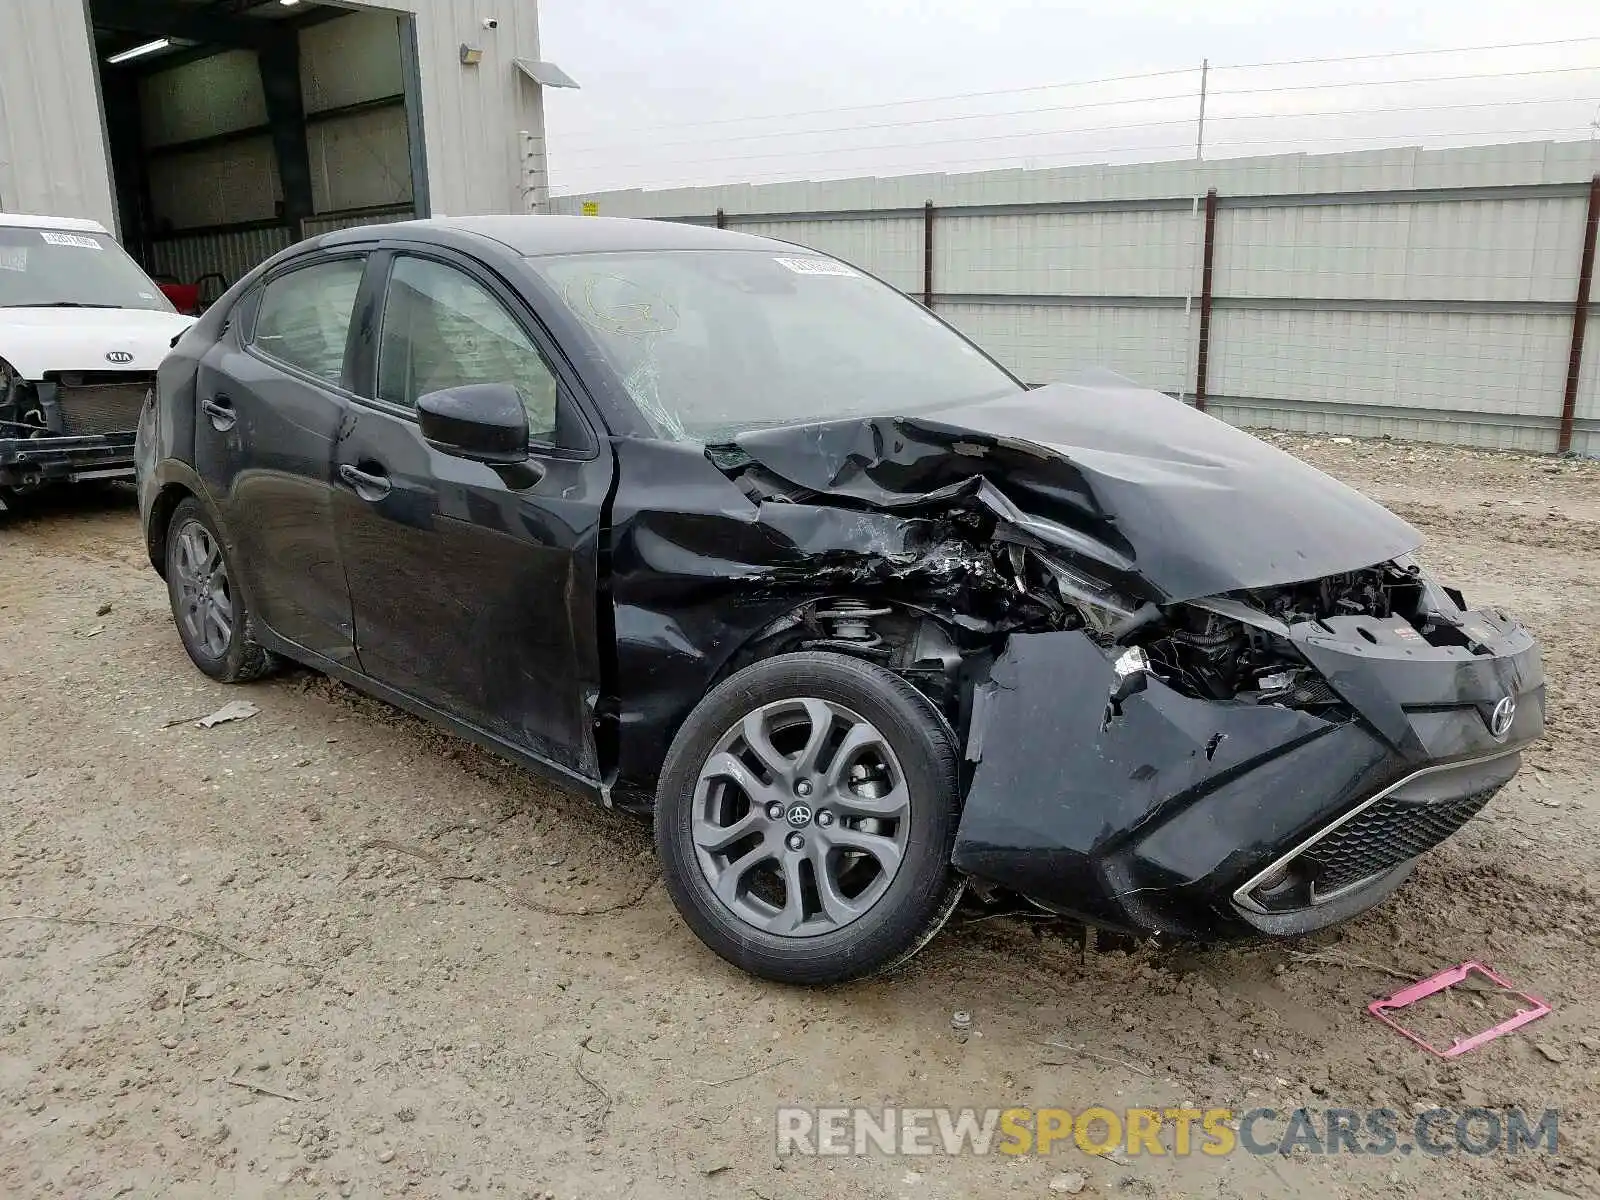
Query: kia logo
x,y
120,357
1500,720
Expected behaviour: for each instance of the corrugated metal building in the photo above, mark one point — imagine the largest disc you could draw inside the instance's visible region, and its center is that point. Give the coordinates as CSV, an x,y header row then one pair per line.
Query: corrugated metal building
x,y
211,133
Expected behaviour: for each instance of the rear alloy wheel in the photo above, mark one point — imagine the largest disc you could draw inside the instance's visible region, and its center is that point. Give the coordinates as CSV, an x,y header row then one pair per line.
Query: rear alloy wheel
x,y
209,609
805,818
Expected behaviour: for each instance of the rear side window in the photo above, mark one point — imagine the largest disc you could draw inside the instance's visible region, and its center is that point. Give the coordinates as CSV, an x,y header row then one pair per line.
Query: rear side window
x,y
304,319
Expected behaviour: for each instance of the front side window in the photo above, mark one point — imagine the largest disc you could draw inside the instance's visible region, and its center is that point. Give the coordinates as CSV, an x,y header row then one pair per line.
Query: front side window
x,y
71,268
443,329
304,318
711,342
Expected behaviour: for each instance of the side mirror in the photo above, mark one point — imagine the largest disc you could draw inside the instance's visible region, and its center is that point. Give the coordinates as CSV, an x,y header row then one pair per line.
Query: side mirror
x,y
484,422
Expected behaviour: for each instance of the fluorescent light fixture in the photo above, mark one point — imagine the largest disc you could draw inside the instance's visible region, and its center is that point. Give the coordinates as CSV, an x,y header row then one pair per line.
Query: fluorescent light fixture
x,y
140,51
288,3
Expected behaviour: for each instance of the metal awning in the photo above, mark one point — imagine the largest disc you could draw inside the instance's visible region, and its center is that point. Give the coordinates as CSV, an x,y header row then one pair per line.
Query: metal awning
x,y
545,74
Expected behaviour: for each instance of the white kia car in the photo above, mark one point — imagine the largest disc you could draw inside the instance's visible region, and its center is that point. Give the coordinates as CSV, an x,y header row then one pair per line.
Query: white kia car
x,y
82,331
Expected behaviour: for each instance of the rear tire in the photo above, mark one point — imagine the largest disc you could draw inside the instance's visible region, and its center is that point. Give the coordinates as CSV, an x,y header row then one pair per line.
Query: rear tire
x,y
208,606
805,819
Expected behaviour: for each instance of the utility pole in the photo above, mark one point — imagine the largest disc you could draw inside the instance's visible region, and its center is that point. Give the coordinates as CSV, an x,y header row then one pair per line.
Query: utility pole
x,y
1194,211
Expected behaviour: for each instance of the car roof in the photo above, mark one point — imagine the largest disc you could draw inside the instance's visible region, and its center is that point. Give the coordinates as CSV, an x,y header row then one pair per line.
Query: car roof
x,y
28,221
531,236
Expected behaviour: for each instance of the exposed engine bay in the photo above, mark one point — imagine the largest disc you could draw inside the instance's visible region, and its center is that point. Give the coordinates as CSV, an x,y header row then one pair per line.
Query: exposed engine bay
x,y
20,415
948,590
68,426
72,403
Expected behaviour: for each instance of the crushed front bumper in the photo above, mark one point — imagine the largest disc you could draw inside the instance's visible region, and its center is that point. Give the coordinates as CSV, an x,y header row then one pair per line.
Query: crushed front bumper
x,y
27,463
79,426
1200,819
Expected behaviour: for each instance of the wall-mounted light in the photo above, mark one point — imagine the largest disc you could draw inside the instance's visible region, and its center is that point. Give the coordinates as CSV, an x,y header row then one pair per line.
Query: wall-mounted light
x,y
288,3
471,56
140,51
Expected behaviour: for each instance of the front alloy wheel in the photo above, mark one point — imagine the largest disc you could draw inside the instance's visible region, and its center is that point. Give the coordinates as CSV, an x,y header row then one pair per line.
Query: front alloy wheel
x,y
805,818
800,817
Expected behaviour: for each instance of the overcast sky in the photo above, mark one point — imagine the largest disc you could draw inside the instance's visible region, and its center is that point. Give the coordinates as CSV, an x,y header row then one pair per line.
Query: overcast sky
x,y
708,91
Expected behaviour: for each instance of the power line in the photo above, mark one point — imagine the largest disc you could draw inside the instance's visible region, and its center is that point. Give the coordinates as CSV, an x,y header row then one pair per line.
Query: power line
x,y
1005,161
1389,137
814,152
817,112
1044,87
582,149
1367,83
1184,97
1344,58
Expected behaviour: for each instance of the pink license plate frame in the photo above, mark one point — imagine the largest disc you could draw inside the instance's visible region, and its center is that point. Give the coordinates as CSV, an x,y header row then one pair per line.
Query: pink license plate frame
x,y
1449,978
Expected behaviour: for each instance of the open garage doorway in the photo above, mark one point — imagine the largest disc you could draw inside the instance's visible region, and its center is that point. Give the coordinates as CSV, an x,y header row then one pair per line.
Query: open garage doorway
x,y
235,128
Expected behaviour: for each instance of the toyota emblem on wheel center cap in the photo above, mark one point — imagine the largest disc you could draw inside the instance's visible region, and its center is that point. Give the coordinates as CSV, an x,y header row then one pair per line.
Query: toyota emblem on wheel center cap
x,y
120,357
798,815
1500,719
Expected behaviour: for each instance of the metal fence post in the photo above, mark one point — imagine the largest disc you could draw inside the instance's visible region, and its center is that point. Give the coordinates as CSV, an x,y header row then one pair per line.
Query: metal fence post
x,y
1203,356
927,254
1580,316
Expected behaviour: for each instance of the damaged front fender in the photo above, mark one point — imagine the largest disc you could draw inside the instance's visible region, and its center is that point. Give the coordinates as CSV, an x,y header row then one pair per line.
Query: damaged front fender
x,y
700,568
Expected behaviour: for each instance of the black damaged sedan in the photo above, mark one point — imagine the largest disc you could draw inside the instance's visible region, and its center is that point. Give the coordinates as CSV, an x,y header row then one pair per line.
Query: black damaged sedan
x,y
721,528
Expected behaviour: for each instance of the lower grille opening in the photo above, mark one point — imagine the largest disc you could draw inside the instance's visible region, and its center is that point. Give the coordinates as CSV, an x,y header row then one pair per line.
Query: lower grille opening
x,y
1382,837
1377,840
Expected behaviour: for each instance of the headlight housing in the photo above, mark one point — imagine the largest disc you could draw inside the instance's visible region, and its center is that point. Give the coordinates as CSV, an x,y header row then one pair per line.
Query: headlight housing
x,y
10,399
1446,602
1102,607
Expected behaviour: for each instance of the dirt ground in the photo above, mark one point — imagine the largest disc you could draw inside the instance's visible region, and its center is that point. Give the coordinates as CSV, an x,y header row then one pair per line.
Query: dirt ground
x,y
328,952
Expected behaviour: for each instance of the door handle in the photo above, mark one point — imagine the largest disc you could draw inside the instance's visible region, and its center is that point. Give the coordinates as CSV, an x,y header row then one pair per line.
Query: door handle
x,y
220,410
367,484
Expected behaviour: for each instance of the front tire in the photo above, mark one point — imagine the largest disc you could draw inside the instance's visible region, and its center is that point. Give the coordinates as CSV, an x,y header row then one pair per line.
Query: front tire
x,y
805,818
208,605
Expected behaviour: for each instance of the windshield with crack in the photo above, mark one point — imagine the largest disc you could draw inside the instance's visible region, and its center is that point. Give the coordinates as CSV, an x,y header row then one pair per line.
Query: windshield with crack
x,y
709,343
71,268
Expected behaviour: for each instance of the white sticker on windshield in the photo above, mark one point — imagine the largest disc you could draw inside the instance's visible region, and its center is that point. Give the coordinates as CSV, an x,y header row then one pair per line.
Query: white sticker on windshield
x,y
69,239
816,266
13,258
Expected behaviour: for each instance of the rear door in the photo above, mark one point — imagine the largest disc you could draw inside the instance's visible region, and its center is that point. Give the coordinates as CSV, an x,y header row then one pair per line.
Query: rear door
x,y
474,588
273,399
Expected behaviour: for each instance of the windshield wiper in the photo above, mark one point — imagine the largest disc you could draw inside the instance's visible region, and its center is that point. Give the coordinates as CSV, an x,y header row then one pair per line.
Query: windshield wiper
x,y
61,304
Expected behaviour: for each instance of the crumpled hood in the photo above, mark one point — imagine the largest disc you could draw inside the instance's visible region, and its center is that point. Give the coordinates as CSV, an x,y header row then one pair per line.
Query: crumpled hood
x,y
39,340
1146,485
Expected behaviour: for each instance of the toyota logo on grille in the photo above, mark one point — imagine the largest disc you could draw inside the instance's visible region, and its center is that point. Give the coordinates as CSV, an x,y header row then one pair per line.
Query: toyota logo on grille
x,y
120,357
1500,719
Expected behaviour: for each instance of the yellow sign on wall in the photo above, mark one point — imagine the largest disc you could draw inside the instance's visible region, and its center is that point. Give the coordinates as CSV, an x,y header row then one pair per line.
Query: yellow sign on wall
x,y
591,208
